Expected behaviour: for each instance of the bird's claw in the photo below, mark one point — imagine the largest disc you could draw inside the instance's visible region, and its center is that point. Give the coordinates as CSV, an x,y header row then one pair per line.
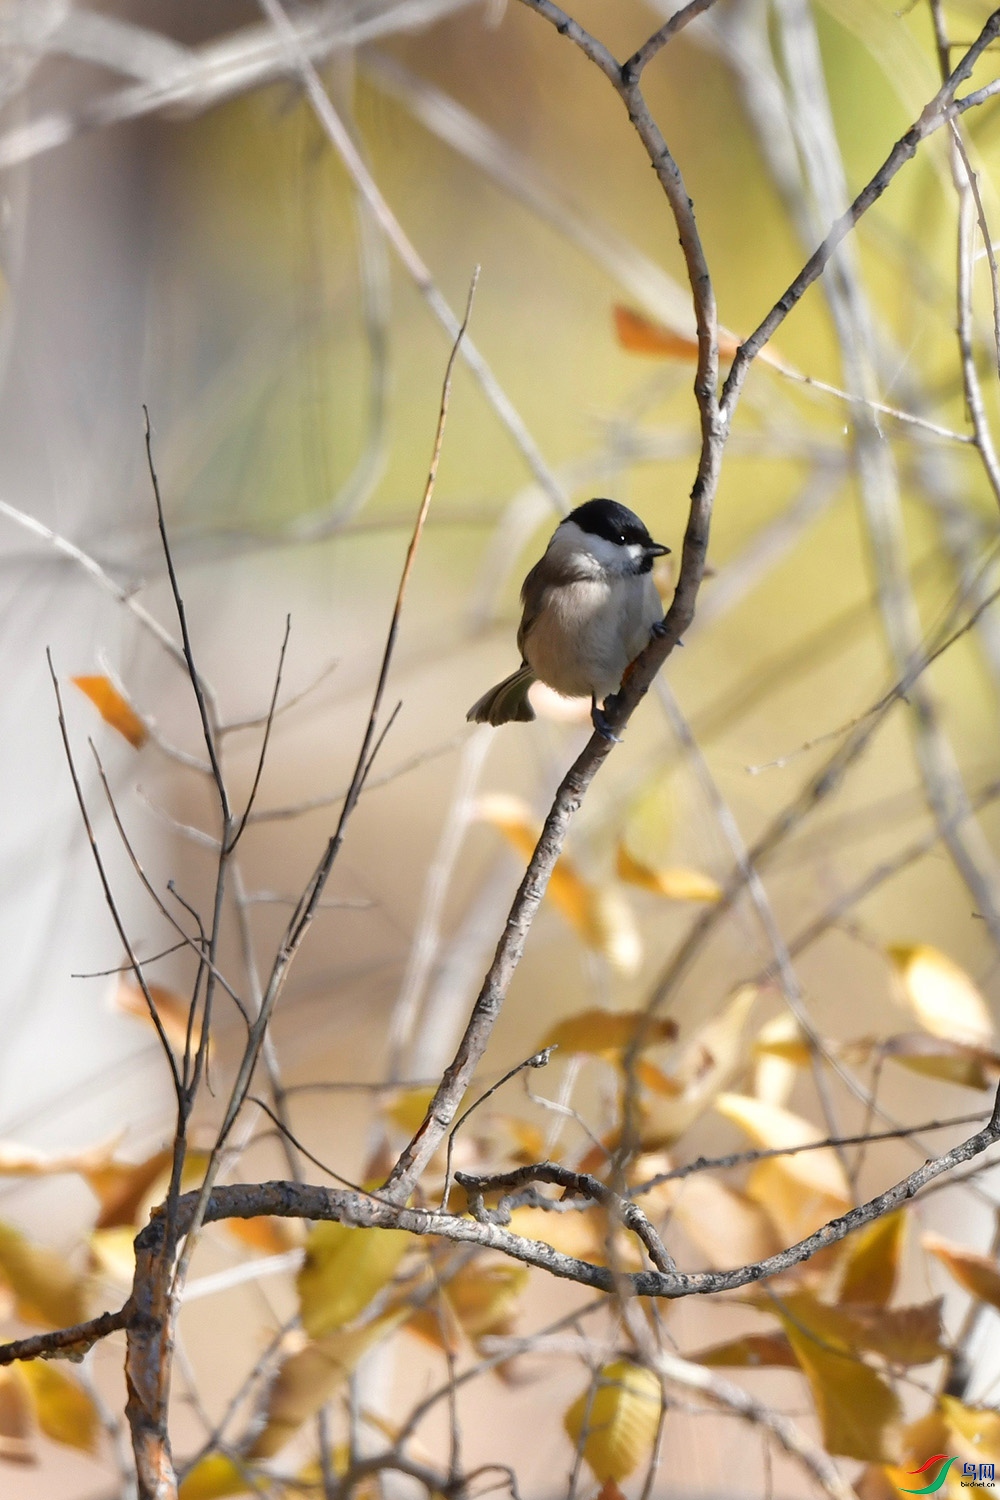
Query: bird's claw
x,y
600,722
659,629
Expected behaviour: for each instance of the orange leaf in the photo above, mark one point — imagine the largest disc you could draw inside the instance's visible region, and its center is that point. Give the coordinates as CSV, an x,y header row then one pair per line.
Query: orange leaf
x,y
114,709
606,1033
171,1008
600,916
121,1187
677,884
978,1274
16,1424
752,1351
641,335
940,1057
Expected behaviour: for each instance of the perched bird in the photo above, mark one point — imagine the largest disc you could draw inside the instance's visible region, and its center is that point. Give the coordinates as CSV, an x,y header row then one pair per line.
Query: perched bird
x,y
590,605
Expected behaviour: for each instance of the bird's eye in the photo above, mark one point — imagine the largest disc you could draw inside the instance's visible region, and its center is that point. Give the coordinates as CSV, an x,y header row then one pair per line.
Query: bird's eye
x,y
621,538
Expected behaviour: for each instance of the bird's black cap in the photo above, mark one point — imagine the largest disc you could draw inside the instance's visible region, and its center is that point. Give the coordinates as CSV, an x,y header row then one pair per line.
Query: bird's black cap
x,y
613,522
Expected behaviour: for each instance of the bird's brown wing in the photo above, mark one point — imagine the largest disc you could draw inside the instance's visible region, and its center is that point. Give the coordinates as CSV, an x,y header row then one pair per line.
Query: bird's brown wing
x,y
532,597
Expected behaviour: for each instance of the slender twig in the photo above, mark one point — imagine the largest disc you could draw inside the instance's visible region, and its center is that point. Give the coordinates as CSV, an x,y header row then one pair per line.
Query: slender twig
x,y
201,692
237,833
134,962
536,1060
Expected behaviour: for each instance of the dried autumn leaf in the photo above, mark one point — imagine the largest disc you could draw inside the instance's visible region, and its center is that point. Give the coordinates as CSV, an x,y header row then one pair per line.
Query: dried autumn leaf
x,y
213,1478
485,1295
113,1252
900,1335
114,709
978,1274
607,1033
267,1234
480,1299
615,1423
599,916
676,884
793,1209
775,1129
779,1051
641,335
941,995
937,1057
752,1351
705,1064
16,1420
869,1261
408,1109
343,1270
580,1233
976,1429
64,1411
121,1187
172,1009
25,1161
859,1413
48,1291
311,1373
727,1227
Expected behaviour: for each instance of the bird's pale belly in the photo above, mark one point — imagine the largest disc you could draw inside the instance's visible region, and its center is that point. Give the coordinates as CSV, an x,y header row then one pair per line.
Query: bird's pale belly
x,y
587,633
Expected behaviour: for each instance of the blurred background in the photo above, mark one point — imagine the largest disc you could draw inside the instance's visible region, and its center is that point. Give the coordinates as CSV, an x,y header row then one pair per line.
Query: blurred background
x,y
178,230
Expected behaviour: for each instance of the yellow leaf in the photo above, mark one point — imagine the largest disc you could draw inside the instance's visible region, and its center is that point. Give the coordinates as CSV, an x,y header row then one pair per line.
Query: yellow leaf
x,y
121,1187
899,1335
706,1063
16,1423
172,1009
408,1109
580,1234
773,1128
751,1352
114,709
615,1423
65,1412
938,1057
113,1252
779,1051
480,1299
978,1274
343,1270
607,1033
858,1411
941,995
870,1260
793,1210
267,1234
676,884
728,1228
214,1477
599,916
976,1430
48,1291
311,1373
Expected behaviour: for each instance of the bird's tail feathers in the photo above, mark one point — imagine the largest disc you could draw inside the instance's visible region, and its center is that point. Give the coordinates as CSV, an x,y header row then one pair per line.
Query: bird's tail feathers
x,y
506,701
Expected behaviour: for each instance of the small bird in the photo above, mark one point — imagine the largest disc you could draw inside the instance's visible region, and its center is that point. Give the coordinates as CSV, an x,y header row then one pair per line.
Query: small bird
x,y
590,605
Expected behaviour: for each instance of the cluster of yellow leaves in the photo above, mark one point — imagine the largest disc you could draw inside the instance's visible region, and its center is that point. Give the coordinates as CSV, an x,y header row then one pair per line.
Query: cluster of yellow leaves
x,y
597,911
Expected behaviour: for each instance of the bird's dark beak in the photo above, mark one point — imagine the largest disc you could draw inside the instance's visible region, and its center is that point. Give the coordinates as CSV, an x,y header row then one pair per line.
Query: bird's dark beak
x,y
657,549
